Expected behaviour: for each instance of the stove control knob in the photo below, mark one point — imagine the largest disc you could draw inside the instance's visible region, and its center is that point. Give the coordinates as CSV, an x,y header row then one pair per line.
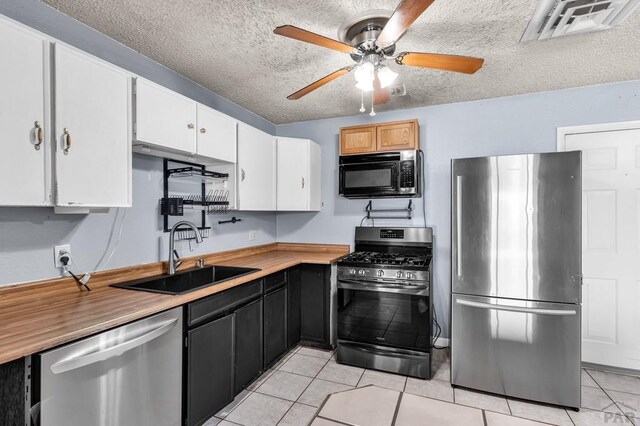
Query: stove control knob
x,y
399,274
352,271
409,275
380,273
361,272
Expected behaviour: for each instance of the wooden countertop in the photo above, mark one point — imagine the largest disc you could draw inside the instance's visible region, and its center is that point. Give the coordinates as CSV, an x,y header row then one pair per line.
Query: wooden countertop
x,y
35,317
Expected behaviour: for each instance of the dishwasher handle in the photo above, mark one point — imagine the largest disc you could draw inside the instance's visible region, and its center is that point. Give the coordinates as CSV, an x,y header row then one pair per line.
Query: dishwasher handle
x,y
75,362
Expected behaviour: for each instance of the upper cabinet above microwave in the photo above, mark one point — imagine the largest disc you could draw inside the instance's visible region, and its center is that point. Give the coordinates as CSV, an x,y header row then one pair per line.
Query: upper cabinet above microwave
x,y
381,137
170,125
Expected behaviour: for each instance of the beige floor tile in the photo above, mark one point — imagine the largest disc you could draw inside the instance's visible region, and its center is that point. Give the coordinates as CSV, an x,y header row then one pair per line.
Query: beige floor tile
x,y
318,353
282,360
370,405
285,385
341,373
441,371
430,388
233,404
298,415
383,380
441,355
587,380
418,411
303,364
616,382
213,421
627,402
597,399
318,390
498,419
540,412
260,380
227,423
259,410
323,422
482,400
586,417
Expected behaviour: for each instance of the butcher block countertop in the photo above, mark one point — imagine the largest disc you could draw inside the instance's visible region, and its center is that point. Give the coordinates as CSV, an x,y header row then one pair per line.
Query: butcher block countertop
x,y
35,317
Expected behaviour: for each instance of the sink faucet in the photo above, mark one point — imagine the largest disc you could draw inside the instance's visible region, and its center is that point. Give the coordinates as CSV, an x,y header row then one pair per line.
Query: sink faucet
x,y
174,259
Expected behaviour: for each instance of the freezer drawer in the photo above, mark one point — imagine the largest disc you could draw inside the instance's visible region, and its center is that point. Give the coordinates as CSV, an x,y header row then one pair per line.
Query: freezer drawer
x,y
522,349
131,375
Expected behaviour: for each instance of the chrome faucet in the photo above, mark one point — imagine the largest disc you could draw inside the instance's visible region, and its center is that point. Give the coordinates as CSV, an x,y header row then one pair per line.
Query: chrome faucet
x,y
174,259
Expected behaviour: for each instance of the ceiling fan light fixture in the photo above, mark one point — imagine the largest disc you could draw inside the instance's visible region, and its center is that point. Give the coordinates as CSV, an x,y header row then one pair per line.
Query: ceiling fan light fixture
x,y
386,76
364,74
365,86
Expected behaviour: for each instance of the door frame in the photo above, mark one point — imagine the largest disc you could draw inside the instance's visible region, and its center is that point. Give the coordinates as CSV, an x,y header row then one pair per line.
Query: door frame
x,y
562,132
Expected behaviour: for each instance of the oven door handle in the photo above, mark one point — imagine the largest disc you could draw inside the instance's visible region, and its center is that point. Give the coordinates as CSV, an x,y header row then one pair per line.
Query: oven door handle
x,y
415,290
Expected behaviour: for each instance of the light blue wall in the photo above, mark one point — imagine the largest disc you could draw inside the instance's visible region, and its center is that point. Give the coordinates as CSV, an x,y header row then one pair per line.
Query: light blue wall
x,y
509,125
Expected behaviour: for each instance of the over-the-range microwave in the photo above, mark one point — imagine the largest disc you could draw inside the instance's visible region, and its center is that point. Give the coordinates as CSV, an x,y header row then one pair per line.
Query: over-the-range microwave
x,y
388,174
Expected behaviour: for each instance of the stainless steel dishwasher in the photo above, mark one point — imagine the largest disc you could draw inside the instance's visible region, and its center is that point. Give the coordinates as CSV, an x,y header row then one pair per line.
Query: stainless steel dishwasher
x,y
131,375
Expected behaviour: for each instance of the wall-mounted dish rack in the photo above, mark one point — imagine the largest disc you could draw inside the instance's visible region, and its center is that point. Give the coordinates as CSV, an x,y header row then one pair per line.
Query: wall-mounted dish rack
x,y
213,196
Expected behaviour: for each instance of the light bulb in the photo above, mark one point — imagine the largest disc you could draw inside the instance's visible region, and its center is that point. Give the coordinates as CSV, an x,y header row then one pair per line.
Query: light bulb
x,y
386,76
364,73
365,86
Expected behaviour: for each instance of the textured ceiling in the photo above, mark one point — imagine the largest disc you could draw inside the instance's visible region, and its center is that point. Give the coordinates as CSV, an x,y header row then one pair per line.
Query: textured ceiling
x,y
228,46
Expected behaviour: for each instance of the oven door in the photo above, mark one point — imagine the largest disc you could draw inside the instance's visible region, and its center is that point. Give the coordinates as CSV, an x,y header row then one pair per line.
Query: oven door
x,y
365,180
384,314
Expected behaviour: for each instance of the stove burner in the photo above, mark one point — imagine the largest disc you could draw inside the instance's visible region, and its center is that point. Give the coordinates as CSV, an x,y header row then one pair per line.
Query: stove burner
x,y
370,257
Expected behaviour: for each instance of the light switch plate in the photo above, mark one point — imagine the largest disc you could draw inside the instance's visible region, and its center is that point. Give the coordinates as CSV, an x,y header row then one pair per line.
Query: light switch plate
x,y
252,235
56,253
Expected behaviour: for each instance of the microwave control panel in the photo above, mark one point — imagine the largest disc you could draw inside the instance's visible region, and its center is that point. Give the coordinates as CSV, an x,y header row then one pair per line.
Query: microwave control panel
x,y
407,174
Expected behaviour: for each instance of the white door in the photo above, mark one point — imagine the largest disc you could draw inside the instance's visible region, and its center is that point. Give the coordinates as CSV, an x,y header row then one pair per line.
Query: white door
x,y
24,138
293,174
217,135
93,154
610,241
256,169
165,118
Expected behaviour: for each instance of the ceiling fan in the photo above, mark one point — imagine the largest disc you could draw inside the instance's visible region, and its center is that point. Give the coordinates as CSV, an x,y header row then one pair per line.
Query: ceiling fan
x,y
370,39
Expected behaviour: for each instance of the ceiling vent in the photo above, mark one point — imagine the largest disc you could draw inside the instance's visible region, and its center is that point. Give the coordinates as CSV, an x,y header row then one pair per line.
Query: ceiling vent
x,y
556,18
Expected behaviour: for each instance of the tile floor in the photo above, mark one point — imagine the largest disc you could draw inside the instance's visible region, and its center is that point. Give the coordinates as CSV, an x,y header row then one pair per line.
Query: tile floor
x,y
295,392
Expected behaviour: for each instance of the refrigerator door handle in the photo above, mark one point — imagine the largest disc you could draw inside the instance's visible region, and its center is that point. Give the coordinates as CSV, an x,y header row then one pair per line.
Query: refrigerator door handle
x,y
458,225
537,311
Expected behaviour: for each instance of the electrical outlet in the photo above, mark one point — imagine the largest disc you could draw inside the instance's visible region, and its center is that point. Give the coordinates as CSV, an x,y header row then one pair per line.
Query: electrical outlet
x,y
252,235
57,250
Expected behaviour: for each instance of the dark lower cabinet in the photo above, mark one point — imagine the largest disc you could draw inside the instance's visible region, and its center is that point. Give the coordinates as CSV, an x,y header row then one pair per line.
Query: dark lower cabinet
x,y
315,291
248,335
210,381
275,325
12,402
293,307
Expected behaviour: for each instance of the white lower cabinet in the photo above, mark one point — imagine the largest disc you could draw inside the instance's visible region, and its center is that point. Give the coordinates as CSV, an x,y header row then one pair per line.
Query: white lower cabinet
x,y
92,132
256,169
298,177
24,117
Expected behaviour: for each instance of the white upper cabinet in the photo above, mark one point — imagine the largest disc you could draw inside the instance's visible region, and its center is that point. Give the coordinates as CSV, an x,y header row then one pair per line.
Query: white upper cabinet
x,y
256,169
164,118
24,117
217,135
298,177
92,131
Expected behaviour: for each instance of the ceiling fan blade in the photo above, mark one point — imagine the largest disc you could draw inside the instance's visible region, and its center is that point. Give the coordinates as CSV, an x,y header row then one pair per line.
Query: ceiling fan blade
x,y
404,15
313,38
318,83
380,95
463,64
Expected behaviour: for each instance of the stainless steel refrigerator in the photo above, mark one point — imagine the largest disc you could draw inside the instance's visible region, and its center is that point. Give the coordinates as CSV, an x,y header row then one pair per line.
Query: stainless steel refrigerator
x,y
516,276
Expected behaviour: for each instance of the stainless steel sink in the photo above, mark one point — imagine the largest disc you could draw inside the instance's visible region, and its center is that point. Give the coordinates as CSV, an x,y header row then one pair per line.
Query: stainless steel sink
x,y
188,280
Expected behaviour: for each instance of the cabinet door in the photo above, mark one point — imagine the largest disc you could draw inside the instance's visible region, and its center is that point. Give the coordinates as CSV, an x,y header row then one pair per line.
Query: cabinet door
x,y
315,286
293,174
293,307
248,333
93,154
217,135
210,382
165,118
275,325
24,163
357,140
256,169
397,136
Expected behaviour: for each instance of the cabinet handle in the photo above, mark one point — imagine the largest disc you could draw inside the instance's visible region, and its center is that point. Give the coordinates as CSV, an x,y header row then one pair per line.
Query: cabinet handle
x,y
190,126
39,135
242,175
67,140
203,130
302,183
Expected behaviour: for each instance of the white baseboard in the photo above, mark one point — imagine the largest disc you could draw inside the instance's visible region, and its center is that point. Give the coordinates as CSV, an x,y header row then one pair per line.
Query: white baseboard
x,y
442,342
